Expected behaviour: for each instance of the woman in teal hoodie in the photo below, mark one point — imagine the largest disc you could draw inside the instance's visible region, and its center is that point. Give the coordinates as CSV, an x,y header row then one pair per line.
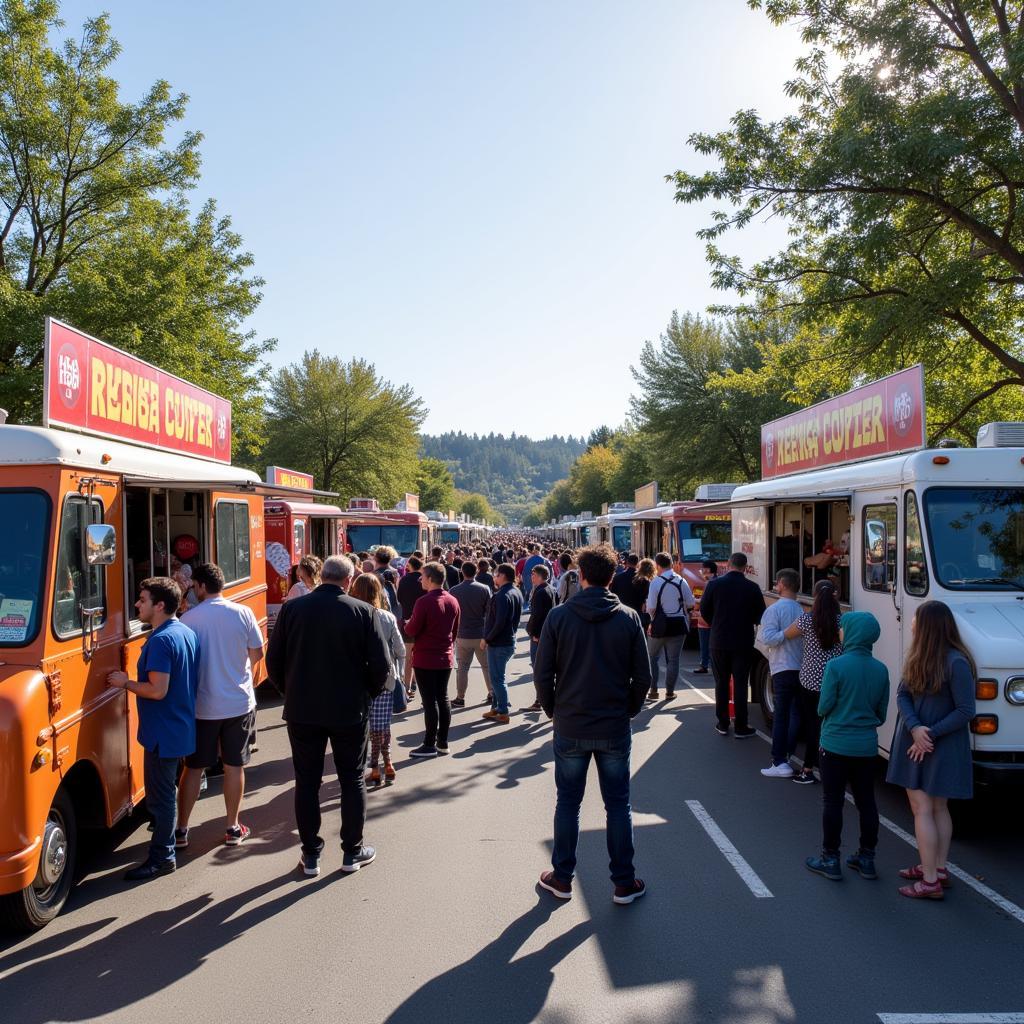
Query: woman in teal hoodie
x,y
853,703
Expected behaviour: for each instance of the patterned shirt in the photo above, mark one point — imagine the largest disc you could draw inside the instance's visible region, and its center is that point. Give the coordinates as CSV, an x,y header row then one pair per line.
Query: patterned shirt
x,y
812,666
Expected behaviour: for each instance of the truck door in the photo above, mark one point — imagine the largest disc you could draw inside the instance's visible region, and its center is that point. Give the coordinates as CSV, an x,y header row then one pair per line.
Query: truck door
x,y
875,588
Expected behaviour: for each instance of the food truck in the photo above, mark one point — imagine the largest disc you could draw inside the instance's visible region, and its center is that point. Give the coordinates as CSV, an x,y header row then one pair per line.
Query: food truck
x,y
129,477
850,492
295,528
367,527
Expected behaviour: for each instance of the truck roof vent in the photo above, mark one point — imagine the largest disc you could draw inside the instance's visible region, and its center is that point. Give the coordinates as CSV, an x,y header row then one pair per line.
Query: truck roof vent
x,y
363,504
1001,435
714,492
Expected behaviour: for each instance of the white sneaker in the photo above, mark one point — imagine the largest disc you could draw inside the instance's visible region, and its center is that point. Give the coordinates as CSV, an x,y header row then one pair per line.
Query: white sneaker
x,y
778,771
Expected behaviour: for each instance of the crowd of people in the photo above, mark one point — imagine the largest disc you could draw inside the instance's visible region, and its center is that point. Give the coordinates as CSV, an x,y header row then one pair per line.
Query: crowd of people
x,y
363,636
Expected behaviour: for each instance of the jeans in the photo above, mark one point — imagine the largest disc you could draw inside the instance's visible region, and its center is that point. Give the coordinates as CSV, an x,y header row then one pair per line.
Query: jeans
x,y
673,647
836,771
497,660
160,777
534,644
437,711
704,636
810,725
726,662
786,724
464,652
572,760
309,744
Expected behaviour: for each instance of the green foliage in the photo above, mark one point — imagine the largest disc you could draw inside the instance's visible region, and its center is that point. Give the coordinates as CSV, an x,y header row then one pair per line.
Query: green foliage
x,y
899,175
355,432
513,472
601,437
478,508
434,485
95,229
590,479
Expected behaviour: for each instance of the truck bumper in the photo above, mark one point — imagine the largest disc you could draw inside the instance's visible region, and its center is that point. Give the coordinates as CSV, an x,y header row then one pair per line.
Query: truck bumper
x,y
17,870
991,772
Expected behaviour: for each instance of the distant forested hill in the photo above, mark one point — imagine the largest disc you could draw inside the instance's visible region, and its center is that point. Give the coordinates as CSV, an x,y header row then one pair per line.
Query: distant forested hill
x,y
513,472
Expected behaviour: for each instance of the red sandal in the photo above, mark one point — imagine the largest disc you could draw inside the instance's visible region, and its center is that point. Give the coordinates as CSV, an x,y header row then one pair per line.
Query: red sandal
x,y
916,874
923,891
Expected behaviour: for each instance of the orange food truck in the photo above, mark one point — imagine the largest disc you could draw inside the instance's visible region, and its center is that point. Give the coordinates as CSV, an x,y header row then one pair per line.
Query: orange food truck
x,y
129,477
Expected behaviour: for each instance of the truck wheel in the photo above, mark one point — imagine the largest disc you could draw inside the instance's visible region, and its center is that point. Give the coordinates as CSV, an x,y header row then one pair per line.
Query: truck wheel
x,y
39,903
762,680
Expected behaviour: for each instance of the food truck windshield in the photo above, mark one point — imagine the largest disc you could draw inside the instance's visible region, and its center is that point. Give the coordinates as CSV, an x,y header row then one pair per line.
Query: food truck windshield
x,y
362,537
26,519
704,539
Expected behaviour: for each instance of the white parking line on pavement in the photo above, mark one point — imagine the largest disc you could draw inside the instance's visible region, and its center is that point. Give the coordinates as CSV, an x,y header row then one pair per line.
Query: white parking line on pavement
x,y
731,854
968,879
951,1018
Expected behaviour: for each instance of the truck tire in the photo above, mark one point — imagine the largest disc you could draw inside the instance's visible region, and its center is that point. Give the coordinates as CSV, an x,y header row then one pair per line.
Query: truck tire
x,y
39,903
764,693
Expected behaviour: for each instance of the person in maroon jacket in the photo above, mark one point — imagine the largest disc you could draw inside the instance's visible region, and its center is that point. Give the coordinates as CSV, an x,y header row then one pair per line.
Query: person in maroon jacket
x,y
432,629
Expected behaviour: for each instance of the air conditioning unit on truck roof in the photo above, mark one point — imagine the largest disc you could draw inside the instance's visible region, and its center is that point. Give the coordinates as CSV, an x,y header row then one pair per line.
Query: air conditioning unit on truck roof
x,y
1001,435
714,492
363,504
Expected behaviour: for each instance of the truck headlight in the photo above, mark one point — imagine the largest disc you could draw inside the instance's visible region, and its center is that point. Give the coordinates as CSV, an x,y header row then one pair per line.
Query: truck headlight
x,y
1015,690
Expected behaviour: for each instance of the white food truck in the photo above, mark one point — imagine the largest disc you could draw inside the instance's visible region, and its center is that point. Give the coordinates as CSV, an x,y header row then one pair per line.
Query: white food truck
x,y
895,530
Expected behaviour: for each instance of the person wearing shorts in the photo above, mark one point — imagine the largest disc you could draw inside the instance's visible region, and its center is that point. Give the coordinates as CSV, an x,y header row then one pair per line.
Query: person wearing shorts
x,y
231,646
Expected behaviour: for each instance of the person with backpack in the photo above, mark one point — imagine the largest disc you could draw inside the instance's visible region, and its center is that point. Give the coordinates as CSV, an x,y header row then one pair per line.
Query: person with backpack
x,y
852,705
569,580
669,601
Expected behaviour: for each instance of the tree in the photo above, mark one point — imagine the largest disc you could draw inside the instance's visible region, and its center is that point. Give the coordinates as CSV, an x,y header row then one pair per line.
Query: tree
x,y
900,175
701,418
434,484
600,437
95,229
559,502
357,433
590,478
477,507
631,446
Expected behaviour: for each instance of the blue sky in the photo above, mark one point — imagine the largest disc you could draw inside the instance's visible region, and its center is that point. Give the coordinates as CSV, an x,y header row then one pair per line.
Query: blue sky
x,y
469,193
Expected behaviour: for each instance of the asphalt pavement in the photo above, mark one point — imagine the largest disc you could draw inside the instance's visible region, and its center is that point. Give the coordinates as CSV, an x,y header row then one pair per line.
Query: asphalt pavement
x,y
448,924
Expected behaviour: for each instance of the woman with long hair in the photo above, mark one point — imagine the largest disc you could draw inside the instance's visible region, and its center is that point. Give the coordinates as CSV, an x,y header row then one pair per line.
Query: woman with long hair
x,y
646,570
931,749
819,629
307,576
369,589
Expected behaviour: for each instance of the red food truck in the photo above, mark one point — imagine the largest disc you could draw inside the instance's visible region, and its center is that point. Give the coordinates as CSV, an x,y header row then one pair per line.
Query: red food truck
x,y
367,527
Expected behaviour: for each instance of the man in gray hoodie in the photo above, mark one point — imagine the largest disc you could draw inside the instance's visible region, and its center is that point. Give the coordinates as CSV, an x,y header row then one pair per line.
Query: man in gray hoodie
x,y
592,673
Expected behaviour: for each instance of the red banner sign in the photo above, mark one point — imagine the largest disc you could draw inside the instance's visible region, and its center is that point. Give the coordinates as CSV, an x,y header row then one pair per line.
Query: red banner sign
x,y
281,477
93,387
881,418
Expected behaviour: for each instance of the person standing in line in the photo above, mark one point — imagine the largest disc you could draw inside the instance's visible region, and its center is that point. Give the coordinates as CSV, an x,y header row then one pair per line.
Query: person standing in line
x,y
483,574
503,616
931,750
569,580
368,589
168,670
543,602
434,627
852,705
381,566
592,673
307,577
231,645
534,559
819,629
329,657
669,601
708,571
473,599
410,590
784,660
646,571
732,606
622,584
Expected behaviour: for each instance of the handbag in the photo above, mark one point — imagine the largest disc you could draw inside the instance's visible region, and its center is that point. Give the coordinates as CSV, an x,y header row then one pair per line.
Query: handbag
x,y
663,625
400,698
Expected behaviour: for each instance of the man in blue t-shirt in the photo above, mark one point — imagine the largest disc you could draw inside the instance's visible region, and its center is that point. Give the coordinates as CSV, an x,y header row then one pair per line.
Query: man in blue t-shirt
x,y
166,688
531,563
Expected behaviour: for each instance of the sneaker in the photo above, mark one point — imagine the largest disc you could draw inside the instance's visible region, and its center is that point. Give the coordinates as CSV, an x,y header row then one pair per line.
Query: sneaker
x,y
310,864
180,838
670,695
628,893
653,695
499,718
458,702
863,862
236,834
826,865
535,706
701,671
354,861
722,730
778,771
423,751
744,732
441,751
490,714
204,785
151,869
555,886
805,779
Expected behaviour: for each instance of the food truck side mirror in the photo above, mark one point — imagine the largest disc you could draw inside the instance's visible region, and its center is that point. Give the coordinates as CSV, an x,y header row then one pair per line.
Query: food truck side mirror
x,y
100,544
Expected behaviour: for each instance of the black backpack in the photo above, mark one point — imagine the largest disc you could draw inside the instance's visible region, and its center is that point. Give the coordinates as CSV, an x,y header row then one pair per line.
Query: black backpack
x,y
664,625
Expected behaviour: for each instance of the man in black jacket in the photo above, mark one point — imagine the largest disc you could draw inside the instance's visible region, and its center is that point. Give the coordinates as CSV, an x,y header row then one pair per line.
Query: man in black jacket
x,y
732,606
622,584
503,615
592,675
329,658
542,601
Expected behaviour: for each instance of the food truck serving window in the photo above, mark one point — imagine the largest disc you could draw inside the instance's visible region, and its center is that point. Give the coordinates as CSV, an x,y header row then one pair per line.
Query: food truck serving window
x,y
74,587
813,538
233,540
26,522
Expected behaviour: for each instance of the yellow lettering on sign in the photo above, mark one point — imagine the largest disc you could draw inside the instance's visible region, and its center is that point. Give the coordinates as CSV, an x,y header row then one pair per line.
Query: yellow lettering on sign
x,y
113,392
128,399
97,406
